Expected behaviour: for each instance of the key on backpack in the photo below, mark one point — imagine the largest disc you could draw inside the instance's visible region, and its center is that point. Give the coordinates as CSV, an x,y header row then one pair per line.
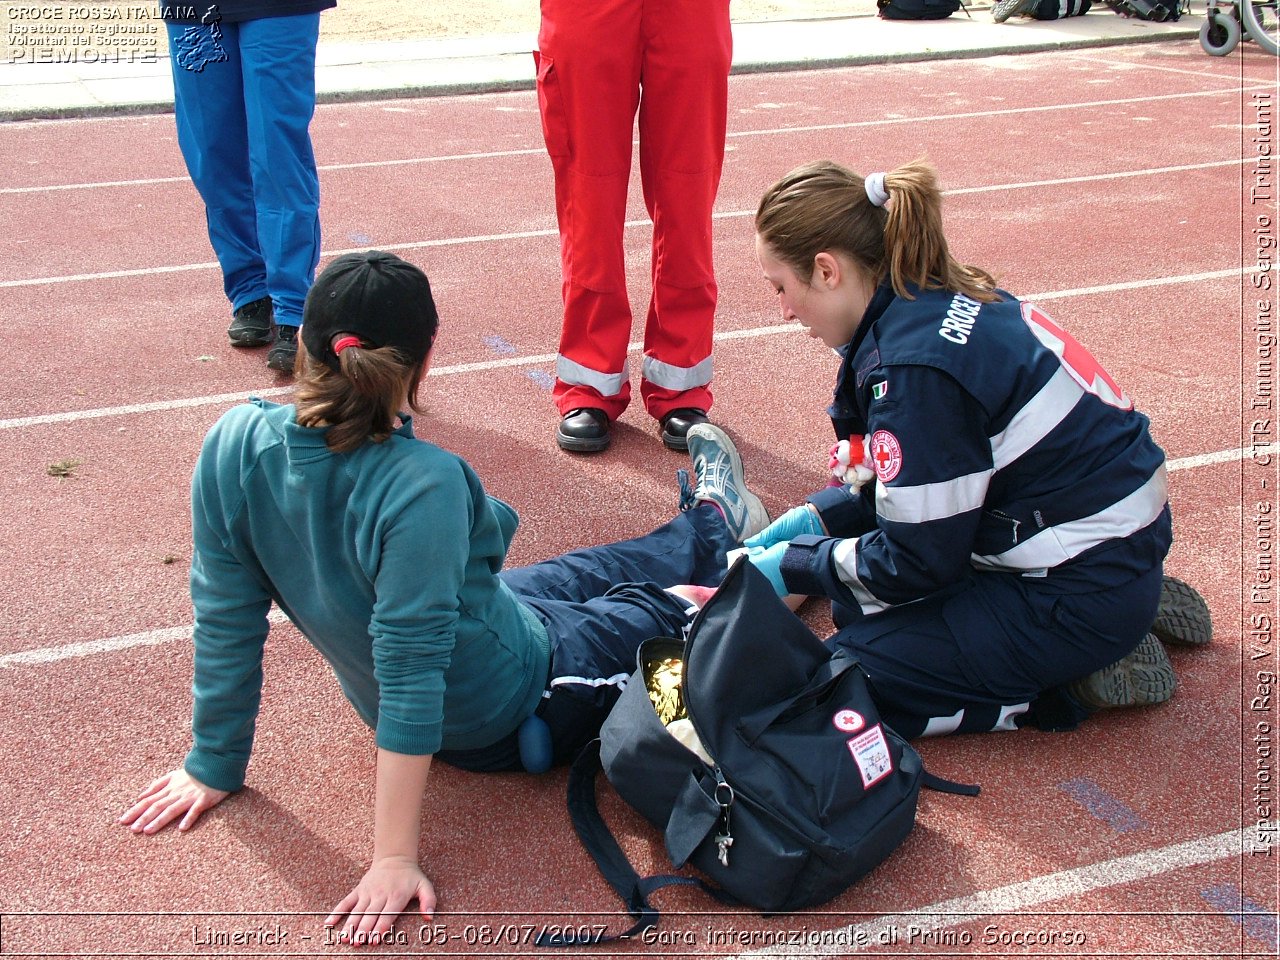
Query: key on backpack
x,y
723,843
724,797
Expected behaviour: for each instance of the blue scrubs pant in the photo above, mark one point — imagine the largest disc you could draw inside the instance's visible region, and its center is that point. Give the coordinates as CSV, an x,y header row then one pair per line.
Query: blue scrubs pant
x,y
598,605
244,98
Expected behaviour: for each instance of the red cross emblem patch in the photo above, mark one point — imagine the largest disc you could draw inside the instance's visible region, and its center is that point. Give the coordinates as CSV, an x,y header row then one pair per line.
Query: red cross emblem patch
x,y
848,721
886,455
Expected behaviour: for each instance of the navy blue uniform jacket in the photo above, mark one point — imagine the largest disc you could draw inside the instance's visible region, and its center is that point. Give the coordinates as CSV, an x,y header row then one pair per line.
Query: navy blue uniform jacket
x,y
999,445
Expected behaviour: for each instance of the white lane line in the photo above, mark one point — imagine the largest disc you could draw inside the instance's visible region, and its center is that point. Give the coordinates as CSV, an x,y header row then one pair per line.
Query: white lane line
x,y
536,360
1094,177
1009,901
1141,284
323,168
185,403
1006,111
72,416
95,185
1130,66
630,224
90,648
149,638
73,651
734,134
1222,456
109,274
211,265
268,392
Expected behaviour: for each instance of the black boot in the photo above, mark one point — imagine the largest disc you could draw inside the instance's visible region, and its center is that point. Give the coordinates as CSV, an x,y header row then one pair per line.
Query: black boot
x,y
585,430
676,424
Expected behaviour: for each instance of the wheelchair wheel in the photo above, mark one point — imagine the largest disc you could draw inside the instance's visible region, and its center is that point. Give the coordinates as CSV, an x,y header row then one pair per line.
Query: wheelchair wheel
x,y
1219,35
1262,25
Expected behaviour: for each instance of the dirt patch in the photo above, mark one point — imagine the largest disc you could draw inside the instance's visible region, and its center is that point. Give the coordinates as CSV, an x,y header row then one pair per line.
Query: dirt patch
x,y
66,32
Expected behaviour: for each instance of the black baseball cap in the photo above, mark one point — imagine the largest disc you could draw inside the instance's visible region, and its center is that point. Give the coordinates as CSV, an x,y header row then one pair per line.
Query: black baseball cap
x,y
376,296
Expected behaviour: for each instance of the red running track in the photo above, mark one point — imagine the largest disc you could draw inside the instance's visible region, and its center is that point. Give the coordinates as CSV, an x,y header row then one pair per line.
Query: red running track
x,y
1112,186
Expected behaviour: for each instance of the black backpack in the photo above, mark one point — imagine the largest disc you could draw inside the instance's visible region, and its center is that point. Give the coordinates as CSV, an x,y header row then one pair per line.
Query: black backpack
x,y
917,9
1157,10
808,790
1061,9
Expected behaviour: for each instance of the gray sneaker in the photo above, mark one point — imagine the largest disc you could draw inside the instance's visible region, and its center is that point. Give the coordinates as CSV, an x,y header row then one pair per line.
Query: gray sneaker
x,y
1004,9
1183,618
718,478
1143,678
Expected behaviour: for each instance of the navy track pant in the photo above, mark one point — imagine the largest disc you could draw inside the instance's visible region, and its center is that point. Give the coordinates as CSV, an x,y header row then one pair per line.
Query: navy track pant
x,y
995,652
598,605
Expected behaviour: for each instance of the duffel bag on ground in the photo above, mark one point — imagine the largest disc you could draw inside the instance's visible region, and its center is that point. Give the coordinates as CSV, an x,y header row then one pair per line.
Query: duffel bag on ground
x,y
760,757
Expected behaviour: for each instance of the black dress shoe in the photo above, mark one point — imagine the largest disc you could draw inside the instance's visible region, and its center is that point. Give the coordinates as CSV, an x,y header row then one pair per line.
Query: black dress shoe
x,y
585,430
676,424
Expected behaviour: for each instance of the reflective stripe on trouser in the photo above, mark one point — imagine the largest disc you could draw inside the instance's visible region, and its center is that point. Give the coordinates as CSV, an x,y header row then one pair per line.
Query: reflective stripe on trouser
x,y
665,376
244,99
593,54
994,652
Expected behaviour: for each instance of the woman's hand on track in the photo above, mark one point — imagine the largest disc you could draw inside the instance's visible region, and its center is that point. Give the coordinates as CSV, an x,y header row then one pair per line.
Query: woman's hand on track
x,y
176,794
380,897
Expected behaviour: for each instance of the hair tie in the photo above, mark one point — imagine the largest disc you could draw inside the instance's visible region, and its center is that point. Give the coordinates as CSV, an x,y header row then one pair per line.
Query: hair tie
x,y
876,193
347,341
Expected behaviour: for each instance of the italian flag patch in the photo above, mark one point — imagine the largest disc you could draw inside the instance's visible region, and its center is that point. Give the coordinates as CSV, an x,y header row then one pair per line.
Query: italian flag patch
x,y
880,390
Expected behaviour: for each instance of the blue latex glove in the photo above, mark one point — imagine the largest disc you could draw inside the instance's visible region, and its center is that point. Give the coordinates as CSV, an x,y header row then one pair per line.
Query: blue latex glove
x,y
794,523
768,560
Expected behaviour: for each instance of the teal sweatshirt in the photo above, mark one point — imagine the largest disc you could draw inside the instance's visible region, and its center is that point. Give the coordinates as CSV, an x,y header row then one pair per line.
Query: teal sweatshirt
x,y
385,558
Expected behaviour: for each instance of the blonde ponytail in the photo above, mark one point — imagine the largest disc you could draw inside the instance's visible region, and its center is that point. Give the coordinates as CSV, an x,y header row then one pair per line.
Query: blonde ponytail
x,y
825,206
916,247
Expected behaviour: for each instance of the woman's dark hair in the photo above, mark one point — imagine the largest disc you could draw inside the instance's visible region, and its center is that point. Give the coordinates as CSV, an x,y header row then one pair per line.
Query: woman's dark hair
x,y
824,206
359,403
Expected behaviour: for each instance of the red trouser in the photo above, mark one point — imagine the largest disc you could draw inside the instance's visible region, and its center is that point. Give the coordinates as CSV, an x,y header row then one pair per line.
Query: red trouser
x,y
600,60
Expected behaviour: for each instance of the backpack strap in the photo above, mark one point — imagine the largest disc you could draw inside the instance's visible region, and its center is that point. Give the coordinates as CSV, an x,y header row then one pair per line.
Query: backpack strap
x,y
596,837
633,889
943,785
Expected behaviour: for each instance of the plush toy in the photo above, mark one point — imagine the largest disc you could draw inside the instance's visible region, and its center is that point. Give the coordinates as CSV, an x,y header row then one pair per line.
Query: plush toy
x,y
843,471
